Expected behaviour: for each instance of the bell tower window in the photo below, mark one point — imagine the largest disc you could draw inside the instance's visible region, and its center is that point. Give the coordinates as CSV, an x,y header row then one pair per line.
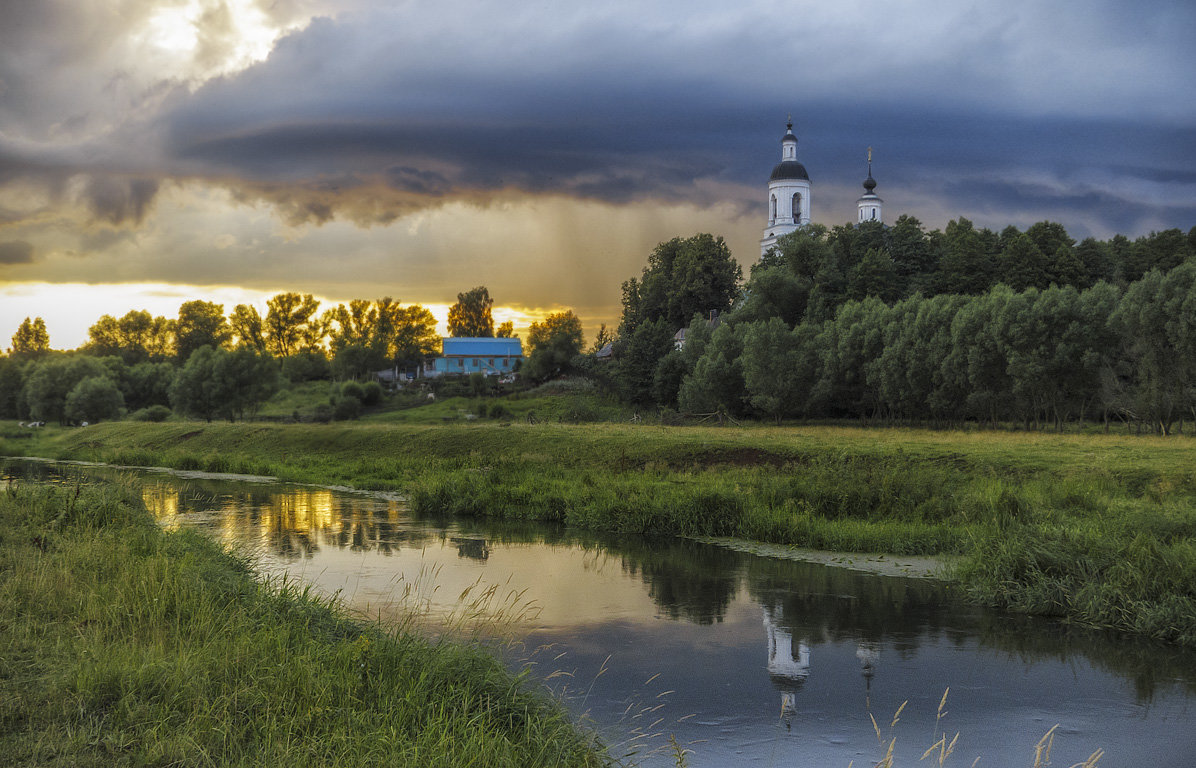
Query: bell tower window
x,y
797,208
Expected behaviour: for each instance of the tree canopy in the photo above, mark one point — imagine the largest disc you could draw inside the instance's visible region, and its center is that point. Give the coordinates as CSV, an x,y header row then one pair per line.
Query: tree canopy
x,y
470,316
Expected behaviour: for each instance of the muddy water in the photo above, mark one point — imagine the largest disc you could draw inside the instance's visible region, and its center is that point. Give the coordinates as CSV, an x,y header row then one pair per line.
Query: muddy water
x,y
742,658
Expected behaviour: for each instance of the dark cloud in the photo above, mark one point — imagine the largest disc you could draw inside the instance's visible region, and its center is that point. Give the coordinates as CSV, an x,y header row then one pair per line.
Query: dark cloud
x,y
120,201
16,252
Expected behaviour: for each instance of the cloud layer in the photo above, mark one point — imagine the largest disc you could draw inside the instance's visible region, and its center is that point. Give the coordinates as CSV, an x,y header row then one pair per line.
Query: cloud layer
x,y
331,142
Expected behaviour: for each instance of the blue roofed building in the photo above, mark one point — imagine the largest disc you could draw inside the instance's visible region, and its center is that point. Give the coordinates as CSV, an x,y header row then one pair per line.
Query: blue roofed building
x,y
493,357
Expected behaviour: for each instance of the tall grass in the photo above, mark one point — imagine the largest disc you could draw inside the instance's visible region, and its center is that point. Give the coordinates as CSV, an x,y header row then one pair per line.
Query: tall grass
x,y
1094,528
125,645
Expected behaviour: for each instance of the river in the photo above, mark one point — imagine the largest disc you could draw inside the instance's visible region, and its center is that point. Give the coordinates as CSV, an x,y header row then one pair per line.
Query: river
x,y
741,658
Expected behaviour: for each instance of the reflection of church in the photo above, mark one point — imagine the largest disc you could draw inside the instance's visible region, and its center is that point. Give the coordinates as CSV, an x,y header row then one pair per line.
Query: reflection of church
x,y
789,661
789,195
788,664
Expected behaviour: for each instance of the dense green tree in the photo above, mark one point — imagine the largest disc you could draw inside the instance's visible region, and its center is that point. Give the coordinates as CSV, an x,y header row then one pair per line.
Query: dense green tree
x,y
12,381
147,384
780,367
716,383
1049,237
965,266
1067,268
136,337
602,338
215,383
247,328
910,249
414,338
506,330
803,250
93,399
31,339
471,317
1022,265
874,275
774,291
552,345
684,276
638,355
292,324
49,382
200,324
1097,261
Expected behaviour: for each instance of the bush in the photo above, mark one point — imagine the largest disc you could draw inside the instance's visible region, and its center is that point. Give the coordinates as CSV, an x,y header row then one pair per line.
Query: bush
x,y
353,389
347,408
322,413
152,413
371,393
499,411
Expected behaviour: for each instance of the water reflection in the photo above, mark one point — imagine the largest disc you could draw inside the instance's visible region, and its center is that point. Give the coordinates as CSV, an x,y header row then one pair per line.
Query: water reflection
x,y
756,654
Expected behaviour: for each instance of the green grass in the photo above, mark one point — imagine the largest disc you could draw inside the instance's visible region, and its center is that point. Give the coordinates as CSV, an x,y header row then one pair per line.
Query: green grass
x,y
124,645
1098,529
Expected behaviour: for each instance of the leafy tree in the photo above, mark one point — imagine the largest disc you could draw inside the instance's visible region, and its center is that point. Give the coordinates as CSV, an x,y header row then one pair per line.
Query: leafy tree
x,y
552,344
147,384
638,357
216,382
415,338
874,275
1049,237
291,324
31,339
50,381
803,250
12,381
352,361
1097,261
774,291
910,249
309,364
777,370
684,276
94,398
966,264
716,384
506,330
136,337
246,326
1068,268
200,324
602,338
470,317
1022,265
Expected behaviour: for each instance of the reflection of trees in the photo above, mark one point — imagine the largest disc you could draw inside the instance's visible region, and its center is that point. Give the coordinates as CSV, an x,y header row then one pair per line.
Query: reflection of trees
x,y
686,579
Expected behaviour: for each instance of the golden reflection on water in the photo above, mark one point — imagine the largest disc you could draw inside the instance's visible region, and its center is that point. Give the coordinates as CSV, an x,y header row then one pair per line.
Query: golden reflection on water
x,y
163,504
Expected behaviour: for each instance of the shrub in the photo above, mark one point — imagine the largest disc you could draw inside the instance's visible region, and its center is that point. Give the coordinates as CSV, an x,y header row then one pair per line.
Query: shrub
x,y
152,413
322,413
353,389
347,408
371,393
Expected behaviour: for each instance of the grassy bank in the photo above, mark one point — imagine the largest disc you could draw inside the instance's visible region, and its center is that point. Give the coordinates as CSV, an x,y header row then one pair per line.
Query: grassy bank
x,y
1095,528
124,645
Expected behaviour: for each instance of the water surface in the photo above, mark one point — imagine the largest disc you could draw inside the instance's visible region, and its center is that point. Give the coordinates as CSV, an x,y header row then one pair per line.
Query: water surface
x,y
743,659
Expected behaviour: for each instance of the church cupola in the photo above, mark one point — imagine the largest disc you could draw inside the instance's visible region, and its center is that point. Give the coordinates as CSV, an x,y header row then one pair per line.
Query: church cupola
x,y
788,193
869,204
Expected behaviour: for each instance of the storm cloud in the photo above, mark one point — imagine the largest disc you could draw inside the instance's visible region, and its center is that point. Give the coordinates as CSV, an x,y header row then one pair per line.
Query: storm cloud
x,y
235,137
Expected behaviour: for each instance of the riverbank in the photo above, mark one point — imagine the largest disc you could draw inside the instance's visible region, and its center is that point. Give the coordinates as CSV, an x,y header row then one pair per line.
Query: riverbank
x,y
1097,529
122,644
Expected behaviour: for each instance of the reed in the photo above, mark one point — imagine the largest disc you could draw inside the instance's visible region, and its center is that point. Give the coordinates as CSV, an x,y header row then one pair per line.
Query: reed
x,y
126,645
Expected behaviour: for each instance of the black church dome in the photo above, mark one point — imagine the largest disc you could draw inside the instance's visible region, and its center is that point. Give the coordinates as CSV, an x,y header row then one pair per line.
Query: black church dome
x,y
789,169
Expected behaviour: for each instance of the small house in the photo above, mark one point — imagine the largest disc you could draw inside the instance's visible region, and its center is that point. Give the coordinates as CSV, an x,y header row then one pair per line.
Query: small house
x,y
465,355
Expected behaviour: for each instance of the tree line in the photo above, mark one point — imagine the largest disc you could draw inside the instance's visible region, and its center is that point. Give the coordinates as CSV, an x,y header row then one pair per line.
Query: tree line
x,y
895,323
211,365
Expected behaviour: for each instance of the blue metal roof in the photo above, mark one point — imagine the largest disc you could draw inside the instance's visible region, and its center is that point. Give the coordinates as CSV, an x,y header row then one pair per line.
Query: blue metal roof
x,y
482,347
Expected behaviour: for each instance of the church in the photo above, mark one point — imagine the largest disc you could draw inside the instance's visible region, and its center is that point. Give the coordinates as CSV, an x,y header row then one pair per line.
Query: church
x,y
789,195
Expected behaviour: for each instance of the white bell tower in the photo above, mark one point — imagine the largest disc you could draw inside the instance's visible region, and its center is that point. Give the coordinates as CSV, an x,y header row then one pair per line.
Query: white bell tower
x,y
788,193
869,204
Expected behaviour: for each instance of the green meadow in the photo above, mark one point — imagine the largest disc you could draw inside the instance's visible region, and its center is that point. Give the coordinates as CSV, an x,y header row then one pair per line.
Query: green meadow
x,y
125,645
1094,528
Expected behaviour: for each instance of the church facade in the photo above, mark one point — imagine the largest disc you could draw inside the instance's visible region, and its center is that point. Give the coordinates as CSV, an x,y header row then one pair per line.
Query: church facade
x,y
789,195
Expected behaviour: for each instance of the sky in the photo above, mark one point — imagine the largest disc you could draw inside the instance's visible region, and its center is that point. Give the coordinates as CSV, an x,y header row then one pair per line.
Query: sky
x,y
157,151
